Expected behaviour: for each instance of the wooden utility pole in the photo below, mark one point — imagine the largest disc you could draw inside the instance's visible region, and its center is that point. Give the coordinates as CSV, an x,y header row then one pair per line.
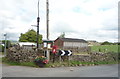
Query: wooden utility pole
x,y
47,23
47,18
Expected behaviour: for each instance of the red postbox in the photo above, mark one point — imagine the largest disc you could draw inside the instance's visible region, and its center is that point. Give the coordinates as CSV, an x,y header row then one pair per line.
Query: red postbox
x,y
54,49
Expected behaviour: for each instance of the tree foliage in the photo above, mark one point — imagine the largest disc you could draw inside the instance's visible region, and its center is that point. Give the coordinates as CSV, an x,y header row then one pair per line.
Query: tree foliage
x,y
107,43
8,43
1,48
62,35
30,36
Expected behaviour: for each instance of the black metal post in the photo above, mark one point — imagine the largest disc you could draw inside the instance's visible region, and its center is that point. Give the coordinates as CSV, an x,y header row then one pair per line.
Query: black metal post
x,y
5,44
38,32
38,20
53,57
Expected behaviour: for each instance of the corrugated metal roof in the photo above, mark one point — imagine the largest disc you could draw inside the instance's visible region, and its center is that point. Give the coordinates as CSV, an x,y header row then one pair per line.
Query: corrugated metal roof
x,y
73,40
26,43
47,40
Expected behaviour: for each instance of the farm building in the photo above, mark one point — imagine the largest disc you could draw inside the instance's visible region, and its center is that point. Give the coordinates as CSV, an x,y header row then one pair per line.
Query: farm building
x,y
72,44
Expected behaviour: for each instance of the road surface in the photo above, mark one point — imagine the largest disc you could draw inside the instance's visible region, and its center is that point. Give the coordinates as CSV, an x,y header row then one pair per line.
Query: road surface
x,y
88,71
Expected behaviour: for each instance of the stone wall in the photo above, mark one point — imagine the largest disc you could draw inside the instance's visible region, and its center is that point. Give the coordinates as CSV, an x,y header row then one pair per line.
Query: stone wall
x,y
96,57
19,54
91,57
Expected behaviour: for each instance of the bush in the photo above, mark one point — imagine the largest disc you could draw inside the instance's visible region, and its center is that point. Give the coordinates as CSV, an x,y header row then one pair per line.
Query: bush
x,y
107,43
8,43
1,48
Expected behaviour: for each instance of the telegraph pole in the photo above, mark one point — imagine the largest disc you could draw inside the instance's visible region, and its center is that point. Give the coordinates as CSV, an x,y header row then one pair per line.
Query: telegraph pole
x,y
47,23
47,18
38,20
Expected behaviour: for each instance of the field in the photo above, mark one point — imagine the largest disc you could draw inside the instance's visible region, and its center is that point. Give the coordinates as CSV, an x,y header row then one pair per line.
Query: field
x,y
105,48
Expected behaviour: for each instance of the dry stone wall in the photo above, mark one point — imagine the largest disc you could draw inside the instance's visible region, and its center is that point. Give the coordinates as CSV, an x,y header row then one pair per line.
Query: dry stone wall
x,y
96,57
91,57
19,54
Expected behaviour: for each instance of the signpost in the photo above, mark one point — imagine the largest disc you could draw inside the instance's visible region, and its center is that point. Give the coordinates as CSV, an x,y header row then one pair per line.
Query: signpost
x,y
5,44
54,51
38,20
65,53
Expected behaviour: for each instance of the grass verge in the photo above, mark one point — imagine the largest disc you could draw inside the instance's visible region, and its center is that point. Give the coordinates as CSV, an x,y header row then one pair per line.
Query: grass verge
x,y
58,64
6,61
78,63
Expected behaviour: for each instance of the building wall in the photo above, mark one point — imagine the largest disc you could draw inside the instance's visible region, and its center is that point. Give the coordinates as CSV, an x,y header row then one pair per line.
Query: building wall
x,y
75,44
76,47
59,43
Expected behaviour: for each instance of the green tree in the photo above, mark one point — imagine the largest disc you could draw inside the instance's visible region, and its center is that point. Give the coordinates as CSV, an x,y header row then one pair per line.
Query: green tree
x,y
1,48
106,43
8,43
30,36
62,35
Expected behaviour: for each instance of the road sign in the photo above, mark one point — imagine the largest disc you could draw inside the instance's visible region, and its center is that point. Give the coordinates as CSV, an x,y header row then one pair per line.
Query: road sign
x,y
65,52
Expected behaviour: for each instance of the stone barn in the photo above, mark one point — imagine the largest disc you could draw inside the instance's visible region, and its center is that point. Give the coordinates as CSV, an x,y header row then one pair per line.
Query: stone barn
x,y
76,45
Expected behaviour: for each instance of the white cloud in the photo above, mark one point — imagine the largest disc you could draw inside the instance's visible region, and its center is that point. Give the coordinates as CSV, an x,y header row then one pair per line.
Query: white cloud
x,y
92,16
87,19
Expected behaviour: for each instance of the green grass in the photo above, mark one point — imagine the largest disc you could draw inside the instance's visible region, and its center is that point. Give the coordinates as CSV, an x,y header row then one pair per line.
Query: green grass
x,y
0,60
105,48
6,61
57,64
1,53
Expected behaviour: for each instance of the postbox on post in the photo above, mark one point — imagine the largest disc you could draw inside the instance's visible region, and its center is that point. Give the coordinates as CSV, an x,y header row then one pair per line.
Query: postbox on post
x,y
54,51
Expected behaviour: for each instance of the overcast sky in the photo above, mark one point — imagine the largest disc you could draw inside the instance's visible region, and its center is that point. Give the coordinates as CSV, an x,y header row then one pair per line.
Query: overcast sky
x,y
83,19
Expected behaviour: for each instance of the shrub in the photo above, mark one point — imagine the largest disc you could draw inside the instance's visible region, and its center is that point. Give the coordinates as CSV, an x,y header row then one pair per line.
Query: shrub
x,y
1,48
8,43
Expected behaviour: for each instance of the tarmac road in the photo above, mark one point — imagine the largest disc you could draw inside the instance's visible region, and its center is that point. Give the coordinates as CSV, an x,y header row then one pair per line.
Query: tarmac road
x,y
88,71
